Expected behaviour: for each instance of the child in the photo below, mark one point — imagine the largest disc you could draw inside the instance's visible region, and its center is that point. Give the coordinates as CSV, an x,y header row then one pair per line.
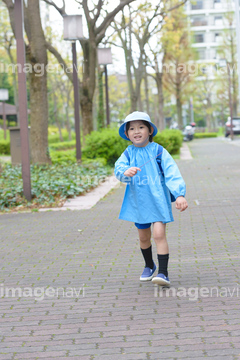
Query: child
x,y
147,198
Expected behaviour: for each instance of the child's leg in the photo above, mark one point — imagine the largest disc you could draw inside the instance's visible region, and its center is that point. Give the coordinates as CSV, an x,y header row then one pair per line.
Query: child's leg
x,y
144,238
145,245
159,235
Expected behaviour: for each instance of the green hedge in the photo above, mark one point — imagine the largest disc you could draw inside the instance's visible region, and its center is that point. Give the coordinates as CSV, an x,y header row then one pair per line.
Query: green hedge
x,y
109,145
5,147
171,140
63,157
105,144
69,157
204,135
65,145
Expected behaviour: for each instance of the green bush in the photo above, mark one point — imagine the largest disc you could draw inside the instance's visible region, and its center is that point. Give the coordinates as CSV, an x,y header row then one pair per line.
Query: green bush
x,y
204,135
105,144
171,140
63,157
109,145
5,147
63,145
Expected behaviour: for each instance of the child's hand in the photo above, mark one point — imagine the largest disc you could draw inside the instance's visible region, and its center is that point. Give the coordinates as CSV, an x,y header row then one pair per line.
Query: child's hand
x,y
181,203
131,171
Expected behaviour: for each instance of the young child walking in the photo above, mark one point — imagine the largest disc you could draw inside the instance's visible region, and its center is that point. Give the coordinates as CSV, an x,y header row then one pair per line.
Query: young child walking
x,y
150,187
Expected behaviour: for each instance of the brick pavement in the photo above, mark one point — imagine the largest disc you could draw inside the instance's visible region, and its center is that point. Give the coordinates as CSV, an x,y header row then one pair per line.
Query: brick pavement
x,y
114,316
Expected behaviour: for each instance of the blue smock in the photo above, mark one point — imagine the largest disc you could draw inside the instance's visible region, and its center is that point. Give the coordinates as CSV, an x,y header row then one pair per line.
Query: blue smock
x,y
147,195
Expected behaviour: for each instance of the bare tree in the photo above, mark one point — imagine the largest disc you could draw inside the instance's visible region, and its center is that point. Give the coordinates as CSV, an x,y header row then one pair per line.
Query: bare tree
x,y
135,28
178,53
98,20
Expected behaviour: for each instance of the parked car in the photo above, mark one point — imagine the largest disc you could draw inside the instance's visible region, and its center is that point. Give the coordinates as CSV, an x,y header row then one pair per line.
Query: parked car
x,y
235,127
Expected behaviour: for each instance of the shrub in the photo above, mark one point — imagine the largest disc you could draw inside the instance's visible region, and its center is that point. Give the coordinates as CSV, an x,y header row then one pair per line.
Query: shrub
x,y
63,157
63,145
109,145
104,144
204,135
5,147
171,140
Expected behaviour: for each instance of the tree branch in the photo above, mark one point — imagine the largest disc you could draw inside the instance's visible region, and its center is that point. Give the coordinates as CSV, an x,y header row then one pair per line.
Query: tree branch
x,y
86,10
99,7
61,10
10,7
109,18
60,60
177,6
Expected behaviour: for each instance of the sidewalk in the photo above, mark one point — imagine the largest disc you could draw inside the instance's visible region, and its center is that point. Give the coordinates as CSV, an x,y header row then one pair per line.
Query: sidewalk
x,y
103,312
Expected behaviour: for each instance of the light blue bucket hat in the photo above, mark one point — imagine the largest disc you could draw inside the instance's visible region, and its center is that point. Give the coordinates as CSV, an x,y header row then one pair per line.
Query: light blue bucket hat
x,y
136,115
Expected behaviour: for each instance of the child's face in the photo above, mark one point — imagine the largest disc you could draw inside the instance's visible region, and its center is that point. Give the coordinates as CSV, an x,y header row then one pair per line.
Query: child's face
x,y
138,133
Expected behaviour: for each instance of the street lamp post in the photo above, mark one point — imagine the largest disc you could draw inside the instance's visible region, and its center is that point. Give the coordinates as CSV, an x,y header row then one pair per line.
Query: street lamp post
x,y
22,91
223,63
4,97
73,31
105,58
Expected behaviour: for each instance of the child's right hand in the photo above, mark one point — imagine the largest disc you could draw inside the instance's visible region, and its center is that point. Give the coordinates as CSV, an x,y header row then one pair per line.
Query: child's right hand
x,y
131,171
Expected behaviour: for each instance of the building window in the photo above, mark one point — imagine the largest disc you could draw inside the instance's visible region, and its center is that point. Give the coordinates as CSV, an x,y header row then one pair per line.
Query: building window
x,y
199,38
197,5
218,38
202,54
198,21
217,4
218,20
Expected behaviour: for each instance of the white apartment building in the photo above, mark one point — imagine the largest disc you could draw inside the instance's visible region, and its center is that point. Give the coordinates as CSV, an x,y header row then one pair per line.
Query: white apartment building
x,y
207,22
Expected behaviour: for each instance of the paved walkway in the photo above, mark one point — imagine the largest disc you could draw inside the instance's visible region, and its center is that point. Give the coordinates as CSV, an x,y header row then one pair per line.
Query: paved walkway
x,y
77,274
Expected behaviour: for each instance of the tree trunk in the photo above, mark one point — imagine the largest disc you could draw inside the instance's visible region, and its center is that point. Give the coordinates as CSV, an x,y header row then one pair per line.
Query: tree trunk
x,y
161,121
37,55
15,85
140,103
100,115
146,91
88,84
179,110
56,118
68,126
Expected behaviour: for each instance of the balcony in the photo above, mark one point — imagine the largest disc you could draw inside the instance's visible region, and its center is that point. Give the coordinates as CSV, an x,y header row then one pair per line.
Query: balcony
x,y
199,22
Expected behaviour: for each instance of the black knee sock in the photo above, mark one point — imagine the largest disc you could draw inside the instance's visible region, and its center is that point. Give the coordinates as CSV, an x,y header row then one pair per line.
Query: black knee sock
x,y
147,254
163,264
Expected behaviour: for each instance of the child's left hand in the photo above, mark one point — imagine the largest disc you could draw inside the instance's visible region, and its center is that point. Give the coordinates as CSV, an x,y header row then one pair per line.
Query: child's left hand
x,y
181,203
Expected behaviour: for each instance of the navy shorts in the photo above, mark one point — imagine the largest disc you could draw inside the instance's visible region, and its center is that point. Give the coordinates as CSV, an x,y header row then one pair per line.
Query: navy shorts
x,y
143,226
